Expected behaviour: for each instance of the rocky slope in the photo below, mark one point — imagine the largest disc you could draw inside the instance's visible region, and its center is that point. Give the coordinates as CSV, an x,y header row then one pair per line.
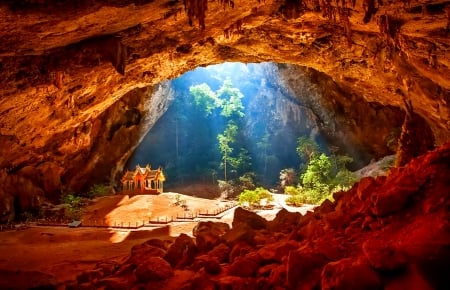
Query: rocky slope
x,y
391,232
65,63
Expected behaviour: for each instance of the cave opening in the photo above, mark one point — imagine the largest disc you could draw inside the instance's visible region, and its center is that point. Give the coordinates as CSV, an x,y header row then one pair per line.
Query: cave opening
x,y
269,105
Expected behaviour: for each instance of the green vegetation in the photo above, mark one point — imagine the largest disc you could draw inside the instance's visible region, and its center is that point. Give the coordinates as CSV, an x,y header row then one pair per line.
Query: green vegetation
x,y
98,190
227,103
74,205
323,175
253,198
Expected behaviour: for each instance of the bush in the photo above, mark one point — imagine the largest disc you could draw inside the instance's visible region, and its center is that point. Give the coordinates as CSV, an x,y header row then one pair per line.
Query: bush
x,y
98,190
254,197
74,205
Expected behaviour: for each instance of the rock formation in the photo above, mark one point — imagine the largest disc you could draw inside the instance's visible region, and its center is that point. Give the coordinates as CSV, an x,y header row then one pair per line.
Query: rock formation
x,y
74,73
386,233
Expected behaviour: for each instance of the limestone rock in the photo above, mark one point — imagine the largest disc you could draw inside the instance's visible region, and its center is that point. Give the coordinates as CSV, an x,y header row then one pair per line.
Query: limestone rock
x,y
154,269
182,252
275,252
143,252
349,274
221,252
243,267
284,220
208,234
384,256
239,233
251,219
304,269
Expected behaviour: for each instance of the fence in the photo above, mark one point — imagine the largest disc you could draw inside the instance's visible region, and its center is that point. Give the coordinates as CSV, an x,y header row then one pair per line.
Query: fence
x,y
216,211
59,222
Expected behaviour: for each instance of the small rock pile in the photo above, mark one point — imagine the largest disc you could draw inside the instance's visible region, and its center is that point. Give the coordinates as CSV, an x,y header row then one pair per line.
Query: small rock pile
x,y
390,232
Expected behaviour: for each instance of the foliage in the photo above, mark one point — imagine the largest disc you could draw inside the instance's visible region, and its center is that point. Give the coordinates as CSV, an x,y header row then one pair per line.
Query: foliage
x,y
231,100
205,98
254,197
98,190
74,204
306,148
247,181
323,175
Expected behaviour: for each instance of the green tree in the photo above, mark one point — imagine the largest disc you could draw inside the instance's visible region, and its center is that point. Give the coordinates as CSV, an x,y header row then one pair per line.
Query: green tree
x,y
306,148
317,175
263,147
225,144
230,100
205,98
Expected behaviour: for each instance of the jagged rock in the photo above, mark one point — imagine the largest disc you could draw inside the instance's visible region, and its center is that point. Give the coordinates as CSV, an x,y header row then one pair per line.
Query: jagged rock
x,y
108,268
349,274
209,263
239,250
221,252
277,251
153,269
143,252
390,200
233,282
416,137
383,256
243,267
249,218
239,233
182,252
90,276
304,270
203,282
284,220
208,234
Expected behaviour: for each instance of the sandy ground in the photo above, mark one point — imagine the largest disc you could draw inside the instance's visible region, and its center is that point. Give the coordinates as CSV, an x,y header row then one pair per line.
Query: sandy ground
x,y
66,252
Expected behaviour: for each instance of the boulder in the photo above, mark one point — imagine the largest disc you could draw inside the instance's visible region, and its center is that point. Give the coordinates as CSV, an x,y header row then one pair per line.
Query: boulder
x,y
221,252
239,250
389,200
238,234
277,251
249,218
143,252
182,252
208,234
304,269
349,273
89,276
210,264
153,269
243,267
284,220
382,255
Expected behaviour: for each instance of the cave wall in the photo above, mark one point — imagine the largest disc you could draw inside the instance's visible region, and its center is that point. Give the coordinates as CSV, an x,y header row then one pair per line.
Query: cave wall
x,y
63,65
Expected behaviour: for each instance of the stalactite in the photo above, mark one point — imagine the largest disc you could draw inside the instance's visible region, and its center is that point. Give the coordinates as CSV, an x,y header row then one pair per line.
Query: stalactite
x,y
196,9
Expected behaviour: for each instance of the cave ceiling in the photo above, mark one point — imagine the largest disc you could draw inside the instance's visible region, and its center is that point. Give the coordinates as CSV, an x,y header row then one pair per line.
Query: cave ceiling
x,y
63,64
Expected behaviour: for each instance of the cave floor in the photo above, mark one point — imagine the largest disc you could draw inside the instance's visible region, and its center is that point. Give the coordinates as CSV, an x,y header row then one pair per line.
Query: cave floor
x,y
66,252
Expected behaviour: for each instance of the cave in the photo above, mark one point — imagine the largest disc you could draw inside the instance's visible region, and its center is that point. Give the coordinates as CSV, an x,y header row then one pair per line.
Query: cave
x,y
84,81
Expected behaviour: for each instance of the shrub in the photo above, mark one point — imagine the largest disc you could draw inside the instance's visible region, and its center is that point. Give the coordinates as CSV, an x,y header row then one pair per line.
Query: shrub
x,y
74,204
98,190
254,197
